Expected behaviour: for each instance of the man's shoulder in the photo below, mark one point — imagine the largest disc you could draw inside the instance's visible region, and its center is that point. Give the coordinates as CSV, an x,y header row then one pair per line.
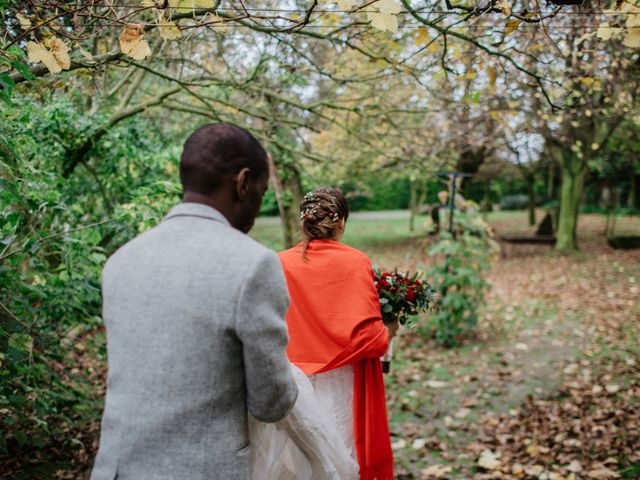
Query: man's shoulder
x,y
211,241
244,245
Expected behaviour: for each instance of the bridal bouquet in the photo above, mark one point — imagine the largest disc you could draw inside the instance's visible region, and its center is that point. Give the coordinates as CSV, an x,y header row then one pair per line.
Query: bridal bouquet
x,y
402,295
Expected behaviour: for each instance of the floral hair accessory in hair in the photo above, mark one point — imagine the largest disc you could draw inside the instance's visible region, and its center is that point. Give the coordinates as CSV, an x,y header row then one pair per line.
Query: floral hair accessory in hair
x,y
335,217
307,212
308,197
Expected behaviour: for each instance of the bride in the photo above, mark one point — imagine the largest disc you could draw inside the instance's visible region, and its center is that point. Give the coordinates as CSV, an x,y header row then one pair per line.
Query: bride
x,y
338,427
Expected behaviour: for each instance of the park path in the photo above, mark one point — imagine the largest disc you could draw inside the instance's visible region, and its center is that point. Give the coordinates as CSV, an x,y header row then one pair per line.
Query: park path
x,y
551,324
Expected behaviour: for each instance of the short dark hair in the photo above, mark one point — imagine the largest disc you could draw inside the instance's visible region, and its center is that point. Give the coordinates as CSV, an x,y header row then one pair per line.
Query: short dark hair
x,y
216,151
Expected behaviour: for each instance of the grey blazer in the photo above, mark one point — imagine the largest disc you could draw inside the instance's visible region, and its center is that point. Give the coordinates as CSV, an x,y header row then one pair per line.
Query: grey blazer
x,y
194,312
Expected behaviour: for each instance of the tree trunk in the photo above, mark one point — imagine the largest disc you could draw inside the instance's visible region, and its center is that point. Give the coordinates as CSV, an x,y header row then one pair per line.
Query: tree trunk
x,y
573,173
278,189
288,191
293,187
632,202
532,201
413,199
550,181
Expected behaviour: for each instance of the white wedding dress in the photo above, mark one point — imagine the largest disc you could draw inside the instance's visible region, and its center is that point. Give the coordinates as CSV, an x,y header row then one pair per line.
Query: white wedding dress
x,y
315,440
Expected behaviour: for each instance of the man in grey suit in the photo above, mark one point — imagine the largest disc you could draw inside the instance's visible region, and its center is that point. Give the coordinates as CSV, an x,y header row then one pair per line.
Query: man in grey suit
x,y
194,311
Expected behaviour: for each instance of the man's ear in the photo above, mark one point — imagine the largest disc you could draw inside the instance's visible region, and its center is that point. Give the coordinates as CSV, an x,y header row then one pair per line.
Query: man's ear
x,y
243,183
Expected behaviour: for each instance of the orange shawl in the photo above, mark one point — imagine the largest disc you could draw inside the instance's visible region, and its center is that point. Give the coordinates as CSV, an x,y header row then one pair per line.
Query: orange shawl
x,y
334,320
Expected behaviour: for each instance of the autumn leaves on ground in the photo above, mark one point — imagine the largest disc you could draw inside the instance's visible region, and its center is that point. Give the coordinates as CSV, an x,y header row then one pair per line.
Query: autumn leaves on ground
x,y
549,389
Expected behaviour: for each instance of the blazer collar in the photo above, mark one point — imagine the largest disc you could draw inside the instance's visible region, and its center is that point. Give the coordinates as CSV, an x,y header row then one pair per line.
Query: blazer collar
x,y
197,210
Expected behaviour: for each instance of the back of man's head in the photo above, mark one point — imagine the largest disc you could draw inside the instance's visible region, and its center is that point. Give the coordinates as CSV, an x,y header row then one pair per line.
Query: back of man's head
x,y
215,152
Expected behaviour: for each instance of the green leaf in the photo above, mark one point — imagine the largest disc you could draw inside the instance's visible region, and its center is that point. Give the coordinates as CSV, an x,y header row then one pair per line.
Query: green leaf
x,y
24,69
7,82
16,51
22,342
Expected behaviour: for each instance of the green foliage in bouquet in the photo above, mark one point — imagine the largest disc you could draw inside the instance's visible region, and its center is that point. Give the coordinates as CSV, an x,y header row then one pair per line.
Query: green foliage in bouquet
x,y
457,277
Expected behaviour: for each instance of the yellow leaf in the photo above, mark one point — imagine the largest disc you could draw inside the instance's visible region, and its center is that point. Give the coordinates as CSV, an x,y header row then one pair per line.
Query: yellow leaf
x,y
587,81
132,43
140,50
493,76
345,4
512,26
422,36
169,30
605,31
388,6
633,19
632,38
505,6
191,4
37,53
60,52
383,21
55,58
25,23
471,74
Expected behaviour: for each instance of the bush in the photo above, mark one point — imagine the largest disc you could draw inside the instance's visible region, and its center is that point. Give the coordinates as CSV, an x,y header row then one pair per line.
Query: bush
x,y
55,235
514,202
457,278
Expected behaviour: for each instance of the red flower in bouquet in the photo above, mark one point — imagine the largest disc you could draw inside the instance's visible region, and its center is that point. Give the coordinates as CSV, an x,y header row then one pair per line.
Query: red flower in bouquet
x,y
402,295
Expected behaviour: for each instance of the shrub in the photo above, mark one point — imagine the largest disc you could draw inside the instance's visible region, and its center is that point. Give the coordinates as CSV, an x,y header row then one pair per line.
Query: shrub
x,y
514,202
458,279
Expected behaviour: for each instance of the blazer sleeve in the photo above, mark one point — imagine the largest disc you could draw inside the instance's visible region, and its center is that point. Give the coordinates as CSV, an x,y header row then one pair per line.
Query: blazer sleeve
x,y
262,304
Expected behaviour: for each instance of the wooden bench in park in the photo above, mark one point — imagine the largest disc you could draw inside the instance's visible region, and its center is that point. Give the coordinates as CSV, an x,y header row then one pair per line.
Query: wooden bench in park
x,y
544,236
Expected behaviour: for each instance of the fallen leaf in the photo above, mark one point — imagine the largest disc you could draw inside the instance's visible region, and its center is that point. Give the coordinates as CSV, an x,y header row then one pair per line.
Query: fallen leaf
x,y
602,473
489,461
463,412
574,466
436,383
534,470
399,444
436,471
419,443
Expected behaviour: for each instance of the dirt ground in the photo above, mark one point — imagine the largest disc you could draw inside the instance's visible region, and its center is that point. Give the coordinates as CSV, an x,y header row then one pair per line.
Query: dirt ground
x,y
550,386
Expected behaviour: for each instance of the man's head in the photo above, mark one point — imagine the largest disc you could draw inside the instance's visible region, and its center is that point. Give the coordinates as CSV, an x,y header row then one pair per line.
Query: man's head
x,y
224,166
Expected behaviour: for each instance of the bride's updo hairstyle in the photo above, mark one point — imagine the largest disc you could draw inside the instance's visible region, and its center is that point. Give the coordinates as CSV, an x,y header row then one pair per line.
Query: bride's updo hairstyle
x,y
320,214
